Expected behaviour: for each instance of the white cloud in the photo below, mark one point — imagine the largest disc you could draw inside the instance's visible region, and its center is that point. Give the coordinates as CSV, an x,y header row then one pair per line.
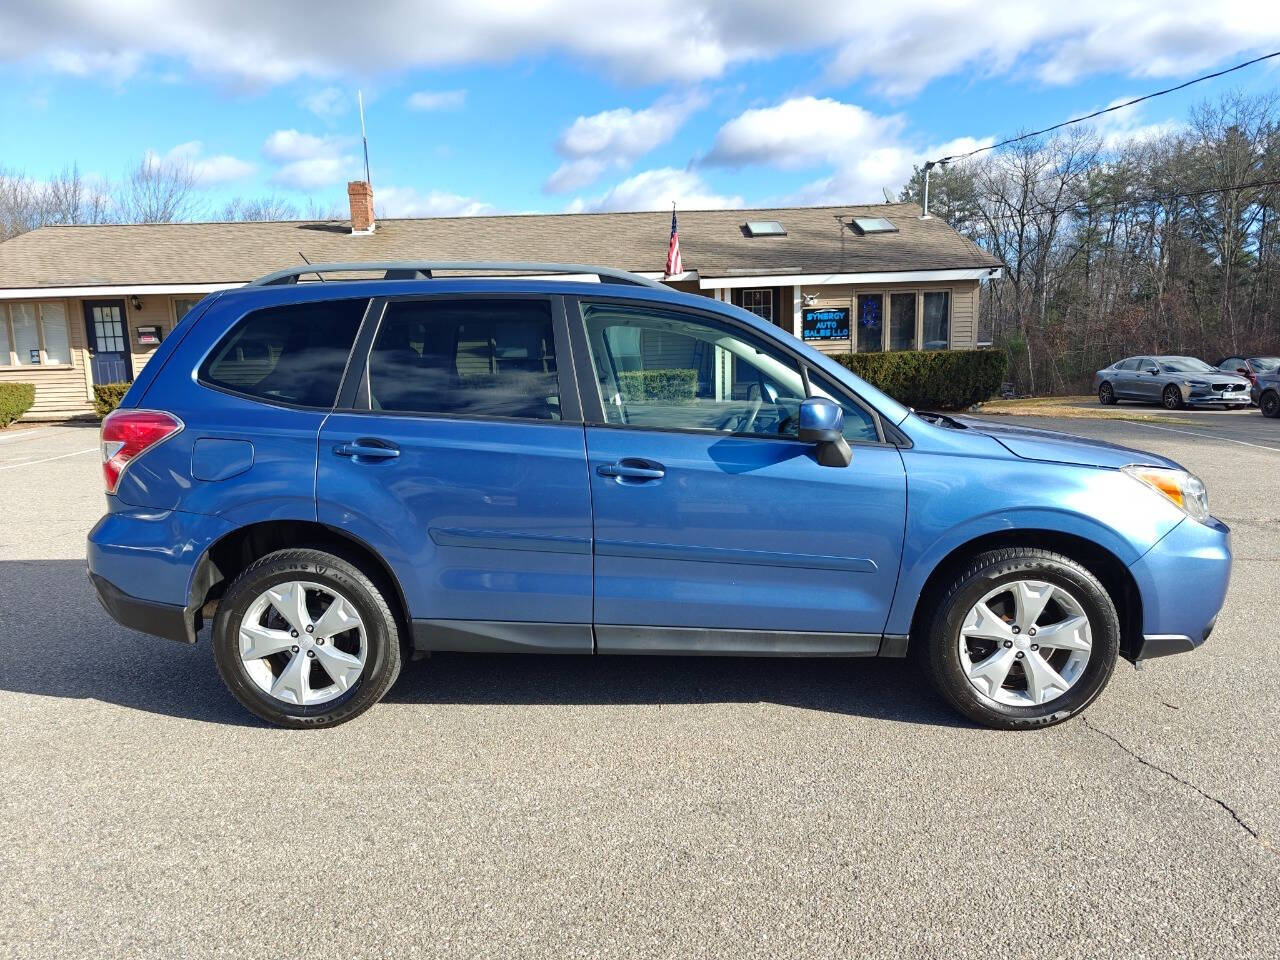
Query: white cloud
x,y
207,171
327,104
408,202
616,138
307,161
900,46
1124,127
799,133
654,190
436,100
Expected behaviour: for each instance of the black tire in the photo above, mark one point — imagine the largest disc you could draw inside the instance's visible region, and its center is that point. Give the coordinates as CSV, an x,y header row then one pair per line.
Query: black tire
x,y
1106,394
382,659
987,571
1171,398
1269,404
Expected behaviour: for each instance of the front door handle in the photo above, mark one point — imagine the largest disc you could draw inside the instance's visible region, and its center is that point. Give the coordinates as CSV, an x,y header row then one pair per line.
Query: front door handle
x,y
632,469
367,449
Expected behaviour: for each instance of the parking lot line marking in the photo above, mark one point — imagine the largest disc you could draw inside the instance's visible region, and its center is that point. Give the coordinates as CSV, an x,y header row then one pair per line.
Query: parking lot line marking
x,y
23,434
61,456
1208,436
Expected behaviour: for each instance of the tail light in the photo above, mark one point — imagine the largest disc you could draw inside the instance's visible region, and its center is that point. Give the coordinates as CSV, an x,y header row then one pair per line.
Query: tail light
x,y
126,434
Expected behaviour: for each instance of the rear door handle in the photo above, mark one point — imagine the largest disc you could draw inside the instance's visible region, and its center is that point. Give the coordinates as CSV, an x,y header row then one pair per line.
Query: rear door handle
x,y
367,449
632,468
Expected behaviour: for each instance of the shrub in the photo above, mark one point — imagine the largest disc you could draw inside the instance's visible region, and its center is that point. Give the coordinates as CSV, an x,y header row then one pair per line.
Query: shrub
x,y
107,396
932,379
665,386
15,400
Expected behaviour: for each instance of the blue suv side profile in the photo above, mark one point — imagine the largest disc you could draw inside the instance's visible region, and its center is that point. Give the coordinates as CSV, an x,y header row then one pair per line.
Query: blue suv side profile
x,y
343,475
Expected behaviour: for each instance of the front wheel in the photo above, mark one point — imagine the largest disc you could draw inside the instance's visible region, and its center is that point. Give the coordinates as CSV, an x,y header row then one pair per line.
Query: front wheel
x,y
1172,398
1022,637
1106,395
1269,404
304,639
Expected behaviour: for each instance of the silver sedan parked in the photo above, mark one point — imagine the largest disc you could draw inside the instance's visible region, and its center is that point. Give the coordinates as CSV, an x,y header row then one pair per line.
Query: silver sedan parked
x,y
1174,382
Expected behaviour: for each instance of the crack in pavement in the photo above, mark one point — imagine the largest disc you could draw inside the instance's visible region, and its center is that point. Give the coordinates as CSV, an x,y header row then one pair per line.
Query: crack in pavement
x,y
1177,779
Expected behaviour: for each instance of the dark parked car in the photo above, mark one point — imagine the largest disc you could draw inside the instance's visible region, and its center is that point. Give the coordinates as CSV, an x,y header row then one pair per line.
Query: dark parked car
x,y
342,475
1251,368
1175,382
1269,392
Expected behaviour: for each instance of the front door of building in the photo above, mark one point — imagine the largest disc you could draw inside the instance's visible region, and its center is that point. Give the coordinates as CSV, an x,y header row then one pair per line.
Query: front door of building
x,y
108,339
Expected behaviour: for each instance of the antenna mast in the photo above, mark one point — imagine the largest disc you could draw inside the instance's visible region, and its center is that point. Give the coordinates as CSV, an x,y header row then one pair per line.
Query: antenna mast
x,y
364,138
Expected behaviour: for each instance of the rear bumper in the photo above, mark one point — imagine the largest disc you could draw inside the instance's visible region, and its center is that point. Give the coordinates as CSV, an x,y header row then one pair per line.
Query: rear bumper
x,y
146,616
1183,581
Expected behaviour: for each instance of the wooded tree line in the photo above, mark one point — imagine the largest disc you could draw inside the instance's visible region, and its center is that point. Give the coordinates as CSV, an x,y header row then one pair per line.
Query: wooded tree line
x,y
153,191
1163,244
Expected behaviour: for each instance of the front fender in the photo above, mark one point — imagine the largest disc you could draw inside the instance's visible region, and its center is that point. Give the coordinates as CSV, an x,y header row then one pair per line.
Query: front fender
x,y
950,507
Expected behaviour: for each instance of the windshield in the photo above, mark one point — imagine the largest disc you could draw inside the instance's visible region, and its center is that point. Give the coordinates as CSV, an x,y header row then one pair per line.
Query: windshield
x,y
1186,365
1266,364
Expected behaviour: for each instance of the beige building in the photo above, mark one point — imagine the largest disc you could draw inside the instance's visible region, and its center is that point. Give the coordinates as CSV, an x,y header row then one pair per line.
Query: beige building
x,y
86,304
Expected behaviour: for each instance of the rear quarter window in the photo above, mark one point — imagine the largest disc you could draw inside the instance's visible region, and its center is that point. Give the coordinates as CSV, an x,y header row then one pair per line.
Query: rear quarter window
x,y
291,354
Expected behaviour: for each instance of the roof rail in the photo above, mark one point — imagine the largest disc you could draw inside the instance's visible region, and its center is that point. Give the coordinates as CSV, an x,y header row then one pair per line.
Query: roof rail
x,y
422,269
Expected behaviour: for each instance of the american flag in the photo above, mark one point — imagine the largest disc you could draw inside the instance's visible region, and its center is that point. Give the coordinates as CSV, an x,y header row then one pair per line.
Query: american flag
x,y
674,267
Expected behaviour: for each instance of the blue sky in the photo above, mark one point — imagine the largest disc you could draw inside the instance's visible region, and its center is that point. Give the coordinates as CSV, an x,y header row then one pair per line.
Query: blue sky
x,y
573,105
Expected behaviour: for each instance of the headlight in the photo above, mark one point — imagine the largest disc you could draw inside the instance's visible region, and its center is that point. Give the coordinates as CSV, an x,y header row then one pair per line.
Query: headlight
x,y
1184,490
1197,383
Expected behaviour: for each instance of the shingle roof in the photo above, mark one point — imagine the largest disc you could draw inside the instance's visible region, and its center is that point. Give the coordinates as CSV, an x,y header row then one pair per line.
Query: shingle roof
x,y
712,242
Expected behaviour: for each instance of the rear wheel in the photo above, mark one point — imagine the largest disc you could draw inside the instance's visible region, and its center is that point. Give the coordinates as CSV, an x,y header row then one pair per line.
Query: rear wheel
x,y
1172,398
1106,395
1022,637
304,639
1269,404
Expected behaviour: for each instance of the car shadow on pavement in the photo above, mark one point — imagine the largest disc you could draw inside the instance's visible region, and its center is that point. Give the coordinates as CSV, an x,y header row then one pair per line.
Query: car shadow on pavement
x,y
56,641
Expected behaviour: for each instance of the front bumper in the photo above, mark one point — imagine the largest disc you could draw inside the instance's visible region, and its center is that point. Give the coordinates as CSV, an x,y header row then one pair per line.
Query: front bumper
x,y
1238,398
1183,582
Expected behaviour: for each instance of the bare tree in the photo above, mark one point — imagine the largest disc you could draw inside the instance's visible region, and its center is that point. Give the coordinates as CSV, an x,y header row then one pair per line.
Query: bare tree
x,y
260,208
157,191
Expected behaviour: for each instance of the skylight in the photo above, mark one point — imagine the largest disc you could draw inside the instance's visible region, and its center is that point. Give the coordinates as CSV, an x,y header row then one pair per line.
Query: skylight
x,y
765,228
866,225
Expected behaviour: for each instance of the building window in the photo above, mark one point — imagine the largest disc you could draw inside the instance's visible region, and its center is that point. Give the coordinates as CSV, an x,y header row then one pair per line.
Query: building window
x,y
902,321
937,320
33,334
759,302
182,306
870,322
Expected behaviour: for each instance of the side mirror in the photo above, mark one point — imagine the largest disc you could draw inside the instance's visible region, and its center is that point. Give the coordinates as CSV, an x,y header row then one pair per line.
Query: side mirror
x,y
821,422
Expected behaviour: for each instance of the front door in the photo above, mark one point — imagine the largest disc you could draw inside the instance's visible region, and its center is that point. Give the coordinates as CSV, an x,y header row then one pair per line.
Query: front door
x,y
108,338
463,464
716,529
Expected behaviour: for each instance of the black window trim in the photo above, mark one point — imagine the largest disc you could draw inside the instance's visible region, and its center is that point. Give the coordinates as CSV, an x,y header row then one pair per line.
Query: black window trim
x,y
593,407
276,401
353,398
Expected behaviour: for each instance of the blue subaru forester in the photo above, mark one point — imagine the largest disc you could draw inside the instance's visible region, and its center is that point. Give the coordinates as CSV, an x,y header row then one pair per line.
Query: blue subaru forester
x,y
342,475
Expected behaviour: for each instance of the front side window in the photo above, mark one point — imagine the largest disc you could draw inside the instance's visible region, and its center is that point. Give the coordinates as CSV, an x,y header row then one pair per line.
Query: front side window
x,y
937,320
859,424
293,354
479,358
672,371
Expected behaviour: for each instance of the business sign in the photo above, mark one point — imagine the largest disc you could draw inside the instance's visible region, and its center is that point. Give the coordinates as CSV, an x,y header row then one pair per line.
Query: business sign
x,y
824,323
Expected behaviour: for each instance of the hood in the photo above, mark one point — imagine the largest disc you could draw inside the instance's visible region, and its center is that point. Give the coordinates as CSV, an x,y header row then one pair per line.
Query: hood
x,y
1030,443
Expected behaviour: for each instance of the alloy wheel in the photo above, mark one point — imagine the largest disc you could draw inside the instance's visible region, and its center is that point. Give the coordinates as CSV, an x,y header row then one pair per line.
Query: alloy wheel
x,y
1025,643
302,643
1172,397
1106,395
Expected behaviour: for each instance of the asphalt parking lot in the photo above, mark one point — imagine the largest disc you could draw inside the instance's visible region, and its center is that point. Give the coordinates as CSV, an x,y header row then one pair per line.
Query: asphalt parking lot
x,y
627,807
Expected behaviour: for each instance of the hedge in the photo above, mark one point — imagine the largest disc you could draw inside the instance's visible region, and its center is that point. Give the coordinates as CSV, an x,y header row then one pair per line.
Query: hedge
x,y
666,386
107,396
15,400
932,379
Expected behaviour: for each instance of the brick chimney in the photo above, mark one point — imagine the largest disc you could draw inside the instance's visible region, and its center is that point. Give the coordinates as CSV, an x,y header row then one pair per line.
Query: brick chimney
x,y
361,196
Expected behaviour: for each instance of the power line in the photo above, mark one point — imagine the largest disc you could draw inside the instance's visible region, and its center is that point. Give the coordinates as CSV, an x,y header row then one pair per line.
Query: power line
x,y
1118,106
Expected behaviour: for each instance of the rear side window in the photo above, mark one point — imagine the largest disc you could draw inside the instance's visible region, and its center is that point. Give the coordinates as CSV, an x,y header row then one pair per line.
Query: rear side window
x,y
293,354
479,358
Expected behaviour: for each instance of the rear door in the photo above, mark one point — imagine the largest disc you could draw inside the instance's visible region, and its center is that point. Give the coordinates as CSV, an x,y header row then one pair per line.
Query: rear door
x,y
458,455
716,529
